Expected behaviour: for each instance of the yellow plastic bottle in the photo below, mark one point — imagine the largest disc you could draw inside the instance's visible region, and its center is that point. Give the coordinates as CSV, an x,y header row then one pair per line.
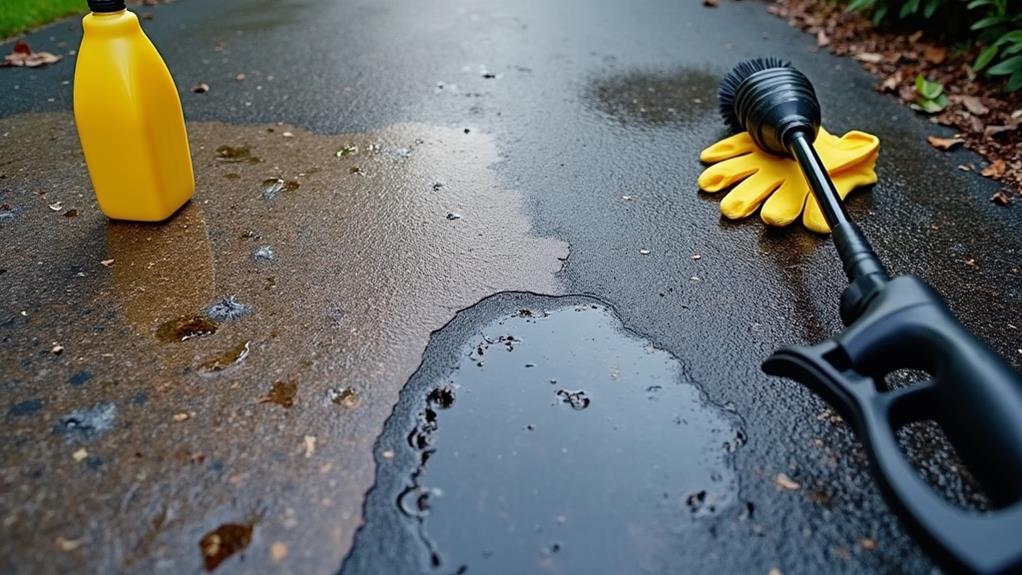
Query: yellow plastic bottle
x,y
129,119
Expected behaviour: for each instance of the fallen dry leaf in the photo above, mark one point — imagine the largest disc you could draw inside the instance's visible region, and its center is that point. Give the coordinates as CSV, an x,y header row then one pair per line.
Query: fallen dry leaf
x,y
907,93
890,84
23,56
107,263
200,88
995,169
784,482
56,206
68,544
974,105
991,131
310,446
935,54
822,39
1000,198
181,416
869,57
80,454
72,213
944,143
710,3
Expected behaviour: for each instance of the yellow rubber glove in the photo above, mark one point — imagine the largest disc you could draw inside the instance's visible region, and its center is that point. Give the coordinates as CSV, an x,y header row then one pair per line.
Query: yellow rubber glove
x,y
778,184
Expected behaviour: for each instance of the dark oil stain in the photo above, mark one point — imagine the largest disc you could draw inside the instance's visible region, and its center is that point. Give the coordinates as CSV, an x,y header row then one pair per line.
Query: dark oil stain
x,y
229,358
227,308
24,408
80,378
185,328
224,541
282,393
86,424
235,155
654,98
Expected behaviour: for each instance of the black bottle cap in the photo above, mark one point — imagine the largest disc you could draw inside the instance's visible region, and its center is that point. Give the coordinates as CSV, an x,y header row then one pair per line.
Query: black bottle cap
x,y
106,6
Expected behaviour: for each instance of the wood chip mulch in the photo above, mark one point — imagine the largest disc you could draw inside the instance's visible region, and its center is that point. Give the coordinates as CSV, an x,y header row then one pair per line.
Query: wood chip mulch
x,y
986,118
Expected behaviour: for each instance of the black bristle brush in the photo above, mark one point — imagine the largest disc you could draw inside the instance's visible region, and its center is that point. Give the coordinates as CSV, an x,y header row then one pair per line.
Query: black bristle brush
x,y
729,86
894,324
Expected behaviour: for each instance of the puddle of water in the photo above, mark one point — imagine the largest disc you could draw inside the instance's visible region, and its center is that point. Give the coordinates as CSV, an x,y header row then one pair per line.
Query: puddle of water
x,y
90,423
282,393
229,358
184,329
224,541
235,155
558,442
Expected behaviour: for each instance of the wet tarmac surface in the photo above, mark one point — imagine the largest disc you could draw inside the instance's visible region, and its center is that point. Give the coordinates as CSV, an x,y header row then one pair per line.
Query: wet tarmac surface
x,y
170,393
571,108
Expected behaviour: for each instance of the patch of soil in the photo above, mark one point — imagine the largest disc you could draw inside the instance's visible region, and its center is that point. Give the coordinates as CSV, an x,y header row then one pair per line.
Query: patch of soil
x,y
986,118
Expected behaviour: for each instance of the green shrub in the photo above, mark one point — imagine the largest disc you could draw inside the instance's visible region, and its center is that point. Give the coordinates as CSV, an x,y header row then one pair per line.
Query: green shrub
x,y
994,24
1000,30
885,10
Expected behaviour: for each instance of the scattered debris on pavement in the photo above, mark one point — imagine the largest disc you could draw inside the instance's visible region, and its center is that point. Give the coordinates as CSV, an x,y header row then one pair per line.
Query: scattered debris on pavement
x,y
22,56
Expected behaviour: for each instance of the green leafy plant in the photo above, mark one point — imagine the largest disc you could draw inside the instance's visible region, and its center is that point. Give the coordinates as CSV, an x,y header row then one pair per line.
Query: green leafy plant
x,y
932,98
879,10
1001,31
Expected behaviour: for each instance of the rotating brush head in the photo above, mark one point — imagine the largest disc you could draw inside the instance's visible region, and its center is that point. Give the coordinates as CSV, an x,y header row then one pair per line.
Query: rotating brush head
x,y
771,100
733,79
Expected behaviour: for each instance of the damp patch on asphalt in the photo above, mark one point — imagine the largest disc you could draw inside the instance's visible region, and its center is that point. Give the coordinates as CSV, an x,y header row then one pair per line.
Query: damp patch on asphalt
x,y
548,439
654,97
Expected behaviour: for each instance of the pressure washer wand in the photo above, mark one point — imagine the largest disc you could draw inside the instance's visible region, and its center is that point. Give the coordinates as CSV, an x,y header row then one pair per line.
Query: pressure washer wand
x,y
893,324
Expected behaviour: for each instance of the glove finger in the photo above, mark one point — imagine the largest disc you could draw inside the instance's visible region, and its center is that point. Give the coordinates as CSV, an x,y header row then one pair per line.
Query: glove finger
x,y
844,183
840,153
730,147
786,204
720,176
748,195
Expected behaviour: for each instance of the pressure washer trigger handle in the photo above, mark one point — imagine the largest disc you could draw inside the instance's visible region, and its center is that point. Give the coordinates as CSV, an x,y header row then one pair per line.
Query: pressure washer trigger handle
x,y
973,395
